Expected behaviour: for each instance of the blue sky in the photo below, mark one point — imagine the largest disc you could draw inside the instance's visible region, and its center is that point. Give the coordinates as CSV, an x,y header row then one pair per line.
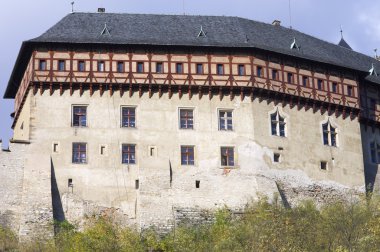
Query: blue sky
x,y
24,19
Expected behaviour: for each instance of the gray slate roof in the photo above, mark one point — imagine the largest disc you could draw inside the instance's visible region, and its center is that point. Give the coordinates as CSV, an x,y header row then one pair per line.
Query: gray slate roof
x,y
343,43
183,30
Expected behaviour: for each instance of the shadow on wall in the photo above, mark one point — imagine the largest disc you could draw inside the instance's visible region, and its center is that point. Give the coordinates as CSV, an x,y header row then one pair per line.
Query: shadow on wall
x,y
58,213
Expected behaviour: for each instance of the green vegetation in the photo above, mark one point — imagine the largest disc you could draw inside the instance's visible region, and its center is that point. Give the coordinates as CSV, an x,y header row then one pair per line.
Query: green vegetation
x,y
263,227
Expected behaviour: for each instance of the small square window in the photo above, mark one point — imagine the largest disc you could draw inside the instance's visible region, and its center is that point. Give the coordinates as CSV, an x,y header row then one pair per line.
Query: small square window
x,y
101,66
274,74
324,165
305,81
81,66
220,69
186,119
349,90
79,116
259,71
120,66
225,120
140,67
128,117
290,77
55,147
227,156
61,65
179,68
42,65
103,150
137,184
320,84
129,154
334,87
199,68
159,68
152,151
197,184
241,70
79,153
276,157
187,155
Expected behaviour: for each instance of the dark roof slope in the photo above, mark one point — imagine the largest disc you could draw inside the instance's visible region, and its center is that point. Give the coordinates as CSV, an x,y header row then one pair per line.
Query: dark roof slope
x,y
344,44
183,30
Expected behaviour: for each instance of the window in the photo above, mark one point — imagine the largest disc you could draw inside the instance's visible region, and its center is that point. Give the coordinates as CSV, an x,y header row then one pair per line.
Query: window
x,y
305,81
375,152
329,134
277,124
197,183
259,71
199,68
61,65
79,153
225,120
129,154
323,165
103,150
349,90
186,119
81,66
219,69
320,84
79,116
179,68
274,74
120,66
187,155
128,117
227,156
276,157
100,66
290,77
241,70
42,65
159,68
334,87
140,67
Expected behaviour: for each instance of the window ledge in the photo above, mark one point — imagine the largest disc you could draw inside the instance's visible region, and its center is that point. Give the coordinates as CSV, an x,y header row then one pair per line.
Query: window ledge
x,y
230,167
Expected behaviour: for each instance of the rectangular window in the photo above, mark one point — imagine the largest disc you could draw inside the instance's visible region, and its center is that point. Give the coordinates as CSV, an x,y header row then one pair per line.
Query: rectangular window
x,y
305,81
120,67
79,116
199,68
187,155
227,156
61,65
334,87
81,66
274,74
129,154
241,70
100,66
179,68
128,117
42,65
220,69
290,77
320,84
323,165
278,124
276,157
186,118
259,71
79,153
225,120
140,67
159,68
349,90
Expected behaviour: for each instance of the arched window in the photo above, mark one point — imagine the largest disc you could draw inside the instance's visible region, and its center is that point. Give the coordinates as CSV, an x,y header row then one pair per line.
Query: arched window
x,y
329,134
277,124
375,152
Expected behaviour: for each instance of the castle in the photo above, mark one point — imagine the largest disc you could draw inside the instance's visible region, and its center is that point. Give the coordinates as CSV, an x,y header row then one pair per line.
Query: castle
x,y
157,117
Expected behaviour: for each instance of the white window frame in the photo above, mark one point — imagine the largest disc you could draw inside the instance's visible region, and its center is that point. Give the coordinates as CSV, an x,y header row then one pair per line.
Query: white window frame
x,y
330,125
225,119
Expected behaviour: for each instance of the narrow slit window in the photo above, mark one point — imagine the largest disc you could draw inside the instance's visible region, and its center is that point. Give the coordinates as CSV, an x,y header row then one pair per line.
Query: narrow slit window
x,y
197,184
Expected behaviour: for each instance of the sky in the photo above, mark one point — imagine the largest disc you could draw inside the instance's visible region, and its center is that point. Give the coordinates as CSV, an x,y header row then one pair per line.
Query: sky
x,y
25,19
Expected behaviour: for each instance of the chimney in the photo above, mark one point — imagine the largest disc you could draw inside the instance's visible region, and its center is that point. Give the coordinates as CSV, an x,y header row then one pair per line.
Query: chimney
x,y
101,10
276,23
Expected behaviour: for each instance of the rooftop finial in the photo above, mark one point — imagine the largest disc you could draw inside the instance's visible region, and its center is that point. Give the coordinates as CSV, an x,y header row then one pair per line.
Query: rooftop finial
x,y
72,7
294,45
372,71
105,30
201,33
341,32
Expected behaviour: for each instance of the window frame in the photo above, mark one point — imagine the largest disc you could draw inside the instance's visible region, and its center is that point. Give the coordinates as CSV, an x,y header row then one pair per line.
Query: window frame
x,y
334,87
42,65
101,66
180,118
329,134
139,67
276,124
73,114
226,118
159,67
350,91
129,153
305,81
80,160
185,150
197,65
259,71
320,85
61,63
179,68
290,77
129,116
241,70
275,74
220,69
81,66
120,67
227,151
